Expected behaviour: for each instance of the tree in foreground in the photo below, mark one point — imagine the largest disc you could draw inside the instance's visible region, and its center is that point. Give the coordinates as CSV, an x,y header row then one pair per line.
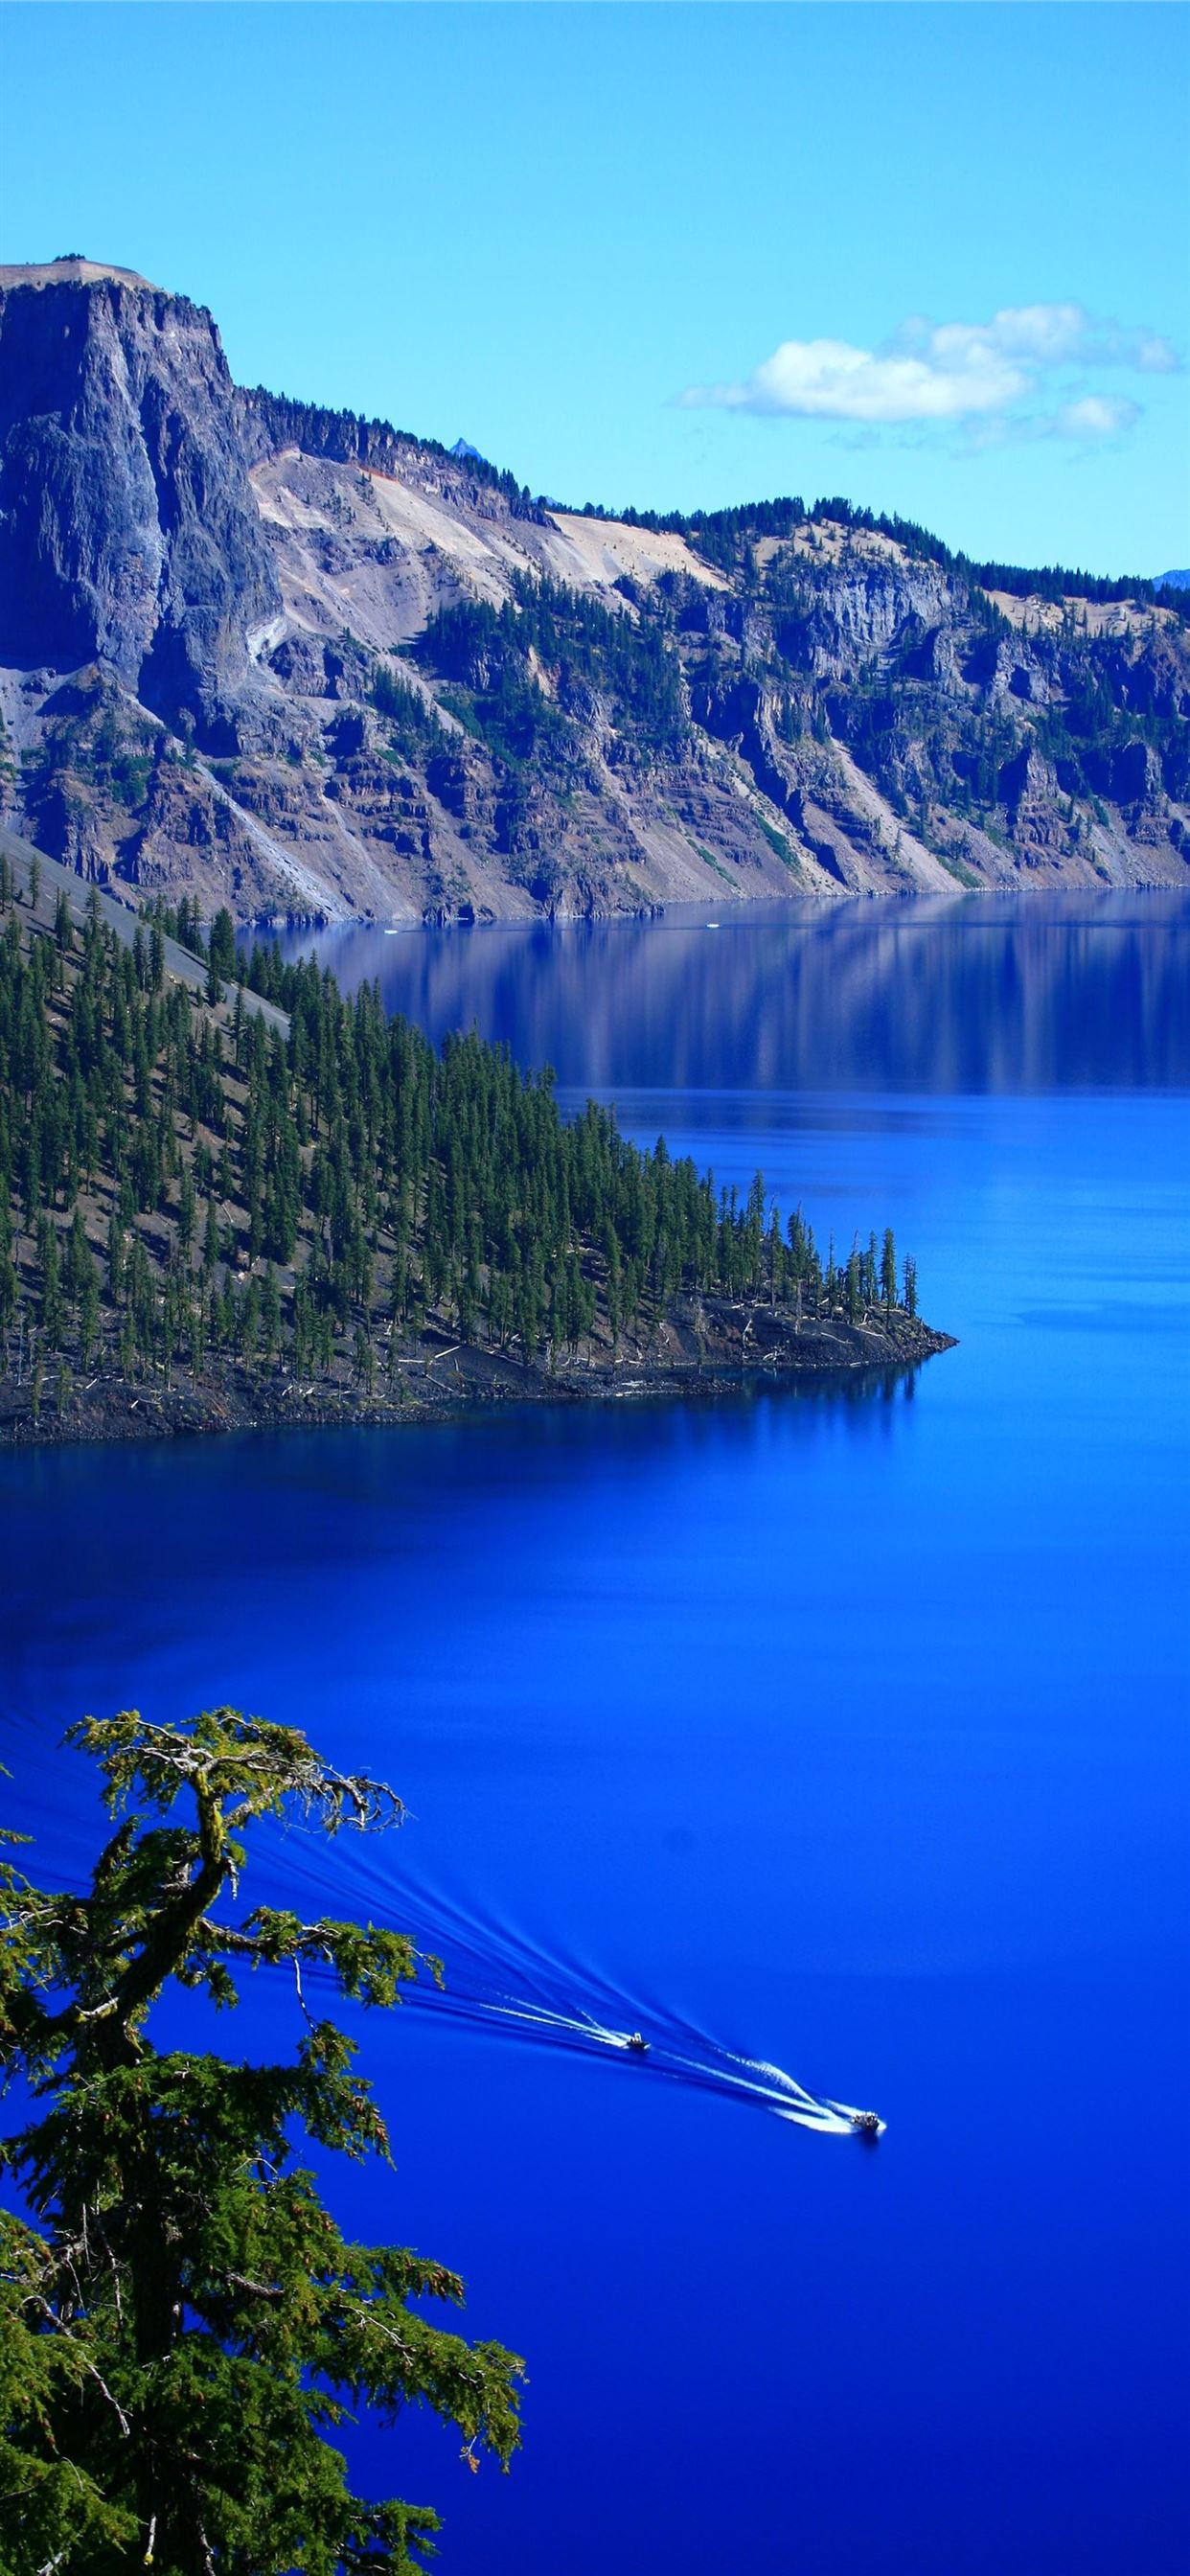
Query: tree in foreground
x,y
182,2325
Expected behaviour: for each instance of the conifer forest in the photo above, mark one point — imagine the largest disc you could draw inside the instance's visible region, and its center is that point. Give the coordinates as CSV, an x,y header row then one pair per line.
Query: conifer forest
x,y
243,1175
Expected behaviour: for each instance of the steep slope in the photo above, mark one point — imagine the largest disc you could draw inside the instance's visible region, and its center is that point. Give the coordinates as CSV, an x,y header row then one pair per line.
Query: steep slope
x,y
298,662
217,1211
128,534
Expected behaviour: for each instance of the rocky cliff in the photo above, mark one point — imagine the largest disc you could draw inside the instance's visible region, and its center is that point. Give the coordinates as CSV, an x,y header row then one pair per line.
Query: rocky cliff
x,y
281,657
129,534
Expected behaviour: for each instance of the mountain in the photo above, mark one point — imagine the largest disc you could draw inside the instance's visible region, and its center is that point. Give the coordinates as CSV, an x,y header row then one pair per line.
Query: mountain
x,y
1172,581
283,658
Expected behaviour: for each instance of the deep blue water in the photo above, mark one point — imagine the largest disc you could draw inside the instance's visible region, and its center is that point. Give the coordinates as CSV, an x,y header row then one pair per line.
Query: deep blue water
x,y
847,1728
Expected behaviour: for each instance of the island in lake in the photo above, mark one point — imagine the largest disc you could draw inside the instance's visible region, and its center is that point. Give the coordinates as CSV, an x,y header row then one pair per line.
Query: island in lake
x,y
230,1196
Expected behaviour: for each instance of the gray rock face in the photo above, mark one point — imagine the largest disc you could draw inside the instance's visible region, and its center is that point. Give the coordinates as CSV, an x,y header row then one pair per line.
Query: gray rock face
x,y
866,606
128,530
303,663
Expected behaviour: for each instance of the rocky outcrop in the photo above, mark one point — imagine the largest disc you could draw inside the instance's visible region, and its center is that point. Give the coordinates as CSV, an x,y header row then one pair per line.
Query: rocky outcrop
x,y
270,423
129,534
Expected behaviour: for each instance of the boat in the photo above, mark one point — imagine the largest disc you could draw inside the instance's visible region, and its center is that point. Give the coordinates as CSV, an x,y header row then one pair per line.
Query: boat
x,y
637,2043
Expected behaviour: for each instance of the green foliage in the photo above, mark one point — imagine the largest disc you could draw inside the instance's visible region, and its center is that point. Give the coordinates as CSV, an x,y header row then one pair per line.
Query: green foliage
x,y
98,735
781,847
585,650
720,536
1056,582
413,726
183,1185
183,2327
221,947
181,921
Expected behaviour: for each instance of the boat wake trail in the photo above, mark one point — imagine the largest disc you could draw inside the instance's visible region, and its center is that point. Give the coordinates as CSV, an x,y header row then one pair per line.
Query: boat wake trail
x,y
495,1979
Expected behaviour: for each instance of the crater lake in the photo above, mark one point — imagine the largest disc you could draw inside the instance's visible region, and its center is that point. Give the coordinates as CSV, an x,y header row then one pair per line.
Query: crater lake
x,y
840,1727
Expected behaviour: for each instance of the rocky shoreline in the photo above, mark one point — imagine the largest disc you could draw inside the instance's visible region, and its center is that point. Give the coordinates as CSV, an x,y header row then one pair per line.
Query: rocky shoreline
x,y
705,1351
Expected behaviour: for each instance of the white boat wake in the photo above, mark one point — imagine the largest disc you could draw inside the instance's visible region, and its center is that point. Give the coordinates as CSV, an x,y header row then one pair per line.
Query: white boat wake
x,y
497,1980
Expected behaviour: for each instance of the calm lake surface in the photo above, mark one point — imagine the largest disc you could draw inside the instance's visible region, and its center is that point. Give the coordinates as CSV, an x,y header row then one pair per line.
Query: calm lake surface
x,y
848,1729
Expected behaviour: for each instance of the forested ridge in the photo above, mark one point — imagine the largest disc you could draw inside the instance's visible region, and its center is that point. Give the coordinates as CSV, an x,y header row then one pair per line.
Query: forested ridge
x,y
723,537
195,1187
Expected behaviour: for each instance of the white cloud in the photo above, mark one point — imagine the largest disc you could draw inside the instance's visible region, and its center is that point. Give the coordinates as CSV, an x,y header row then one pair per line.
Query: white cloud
x,y
1094,416
951,371
1154,355
1044,335
830,380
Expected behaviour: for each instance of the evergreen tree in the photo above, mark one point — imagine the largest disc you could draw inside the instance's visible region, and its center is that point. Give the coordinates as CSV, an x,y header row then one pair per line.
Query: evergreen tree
x,y
853,1286
187,1206
182,2324
221,945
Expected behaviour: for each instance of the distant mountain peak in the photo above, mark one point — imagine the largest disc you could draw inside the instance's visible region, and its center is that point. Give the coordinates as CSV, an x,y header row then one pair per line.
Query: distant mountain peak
x,y
1171,580
464,450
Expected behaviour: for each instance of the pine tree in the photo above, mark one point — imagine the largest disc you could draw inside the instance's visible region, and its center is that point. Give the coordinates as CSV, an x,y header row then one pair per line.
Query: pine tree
x,y
182,2323
221,944
853,1286
115,1258
270,1315
186,1208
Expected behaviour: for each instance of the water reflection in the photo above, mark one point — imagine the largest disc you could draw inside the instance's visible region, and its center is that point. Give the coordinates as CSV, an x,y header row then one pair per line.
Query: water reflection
x,y
970,996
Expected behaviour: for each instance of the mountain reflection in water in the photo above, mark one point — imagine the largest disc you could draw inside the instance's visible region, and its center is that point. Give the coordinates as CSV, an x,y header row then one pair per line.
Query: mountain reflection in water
x,y
971,996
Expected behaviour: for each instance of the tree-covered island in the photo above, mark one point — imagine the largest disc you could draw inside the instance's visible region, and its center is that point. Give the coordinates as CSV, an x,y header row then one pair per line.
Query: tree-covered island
x,y
230,1195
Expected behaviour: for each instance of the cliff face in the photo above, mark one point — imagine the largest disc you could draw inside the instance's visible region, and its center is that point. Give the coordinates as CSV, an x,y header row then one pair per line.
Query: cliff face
x,y
280,657
129,535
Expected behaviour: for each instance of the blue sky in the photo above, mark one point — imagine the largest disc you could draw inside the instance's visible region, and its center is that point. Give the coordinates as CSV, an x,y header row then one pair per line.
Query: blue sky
x,y
933,257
